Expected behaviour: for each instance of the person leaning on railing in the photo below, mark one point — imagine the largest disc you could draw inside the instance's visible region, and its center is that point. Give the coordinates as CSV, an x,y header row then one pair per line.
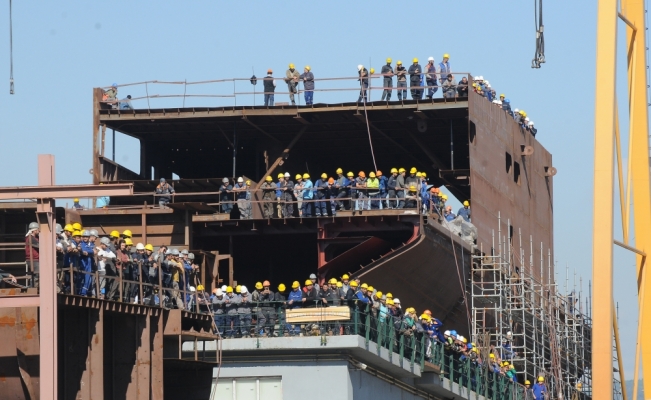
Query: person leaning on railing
x,y
165,192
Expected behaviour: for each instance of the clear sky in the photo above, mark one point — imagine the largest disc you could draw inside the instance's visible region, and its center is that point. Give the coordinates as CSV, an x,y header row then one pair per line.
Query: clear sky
x,y
64,49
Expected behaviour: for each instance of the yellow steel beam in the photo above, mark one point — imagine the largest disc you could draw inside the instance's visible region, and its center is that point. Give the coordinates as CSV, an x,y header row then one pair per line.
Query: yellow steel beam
x,y
620,177
620,360
602,243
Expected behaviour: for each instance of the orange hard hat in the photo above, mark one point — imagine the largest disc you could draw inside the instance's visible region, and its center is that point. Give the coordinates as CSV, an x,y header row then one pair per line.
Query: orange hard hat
x,y
266,283
331,180
362,174
379,173
428,312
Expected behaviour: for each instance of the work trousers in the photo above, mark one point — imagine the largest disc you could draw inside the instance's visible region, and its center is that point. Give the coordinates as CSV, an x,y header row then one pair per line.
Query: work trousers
x,y
289,206
268,100
309,96
306,208
321,206
163,201
362,93
291,87
245,324
220,321
266,320
375,200
402,93
268,207
232,324
362,202
416,92
245,208
342,194
431,90
450,94
388,85
400,194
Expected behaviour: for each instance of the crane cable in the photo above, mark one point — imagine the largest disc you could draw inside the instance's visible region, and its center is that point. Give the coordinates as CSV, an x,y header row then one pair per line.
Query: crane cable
x,y
11,53
539,56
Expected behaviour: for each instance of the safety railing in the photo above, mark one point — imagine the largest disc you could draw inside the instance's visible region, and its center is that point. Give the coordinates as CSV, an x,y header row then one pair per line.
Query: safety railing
x,y
250,91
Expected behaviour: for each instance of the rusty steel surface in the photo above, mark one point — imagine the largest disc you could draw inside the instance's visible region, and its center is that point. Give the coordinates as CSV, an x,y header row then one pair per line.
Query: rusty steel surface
x,y
528,204
40,192
19,365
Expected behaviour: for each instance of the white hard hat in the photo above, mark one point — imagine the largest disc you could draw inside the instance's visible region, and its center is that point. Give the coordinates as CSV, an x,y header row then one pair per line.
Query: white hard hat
x,y
140,246
446,333
530,123
243,289
396,301
477,78
487,83
240,180
225,180
193,289
516,110
509,333
359,67
184,251
224,288
430,58
287,175
526,119
481,78
219,292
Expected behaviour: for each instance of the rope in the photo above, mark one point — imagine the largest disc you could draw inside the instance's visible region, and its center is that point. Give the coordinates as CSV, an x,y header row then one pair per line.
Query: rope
x,y
368,127
11,52
539,55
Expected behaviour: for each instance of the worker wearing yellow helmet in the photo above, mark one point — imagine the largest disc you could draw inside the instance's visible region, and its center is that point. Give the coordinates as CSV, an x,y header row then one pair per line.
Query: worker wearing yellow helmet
x,y
298,192
268,196
465,211
401,84
415,70
284,192
308,85
127,234
444,68
321,192
76,205
305,195
387,80
291,79
76,226
363,82
539,388
373,192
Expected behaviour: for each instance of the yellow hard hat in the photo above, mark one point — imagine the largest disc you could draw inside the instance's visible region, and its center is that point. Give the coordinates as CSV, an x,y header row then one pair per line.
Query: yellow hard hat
x,y
339,171
281,287
114,234
76,233
229,289
248,182
332,281
370,288
412,188
410,310
68,228
466,204
258,285
298,176
415,60
306,176
269,178
128,242
389,60
295,285
291,65
423,174
444,196
399,62
413,170
340,285
401,170
238,288
76,226
394,170
418,174
350,174
199,287
541,379
308,282
372,70
371,174
76,200
389,302
389,295
345,276
505,364
424,317
281,175
127,233
502,95
149,247
526,382
491,355
378,294
364,286
353,284
307,67
446,55
524,114
324,175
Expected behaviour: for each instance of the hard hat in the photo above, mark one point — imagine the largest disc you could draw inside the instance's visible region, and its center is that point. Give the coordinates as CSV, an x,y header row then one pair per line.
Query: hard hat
x,y
225,180
389,302
306,176
84,233
423,174
530,123
526,382
127,233
419,174
33,225
307,67
240,180
258,285
415,60
364,286
229,289
430,58
362,174
541,379
223,288
350,174
184,252
340,285
193,289
308,282
516,111
491,355
269,178
175,252
332,281
506,101
428,312
359,67
378,294
521,112
218,292
238,288
412,188
266,283
410,310
287,175
76,200
345,277
339,171
464,340
466,204
481,78
281,287
389,295
200,287
313,277
76,226
324,175
502,95
394,170
291,65
399,62
370,288
446,55
298,176
433,190
401,170
93,232
105,241
379,173
389,60
243,289
140,246
371,174
444,196
396,301
281,175
413,170
526,119
487,83
505,364
446,333
129,242
453,333
190,256
295,285
149,247
331,180
270,71
353,284
372,70
68,228
424,317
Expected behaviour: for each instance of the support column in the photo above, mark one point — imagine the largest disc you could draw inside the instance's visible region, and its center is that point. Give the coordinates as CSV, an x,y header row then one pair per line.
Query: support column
x,y
156,354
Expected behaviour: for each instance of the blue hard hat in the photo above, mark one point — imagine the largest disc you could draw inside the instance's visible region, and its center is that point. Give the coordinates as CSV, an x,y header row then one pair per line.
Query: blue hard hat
x,y
114,84
453,333
469,346
507,101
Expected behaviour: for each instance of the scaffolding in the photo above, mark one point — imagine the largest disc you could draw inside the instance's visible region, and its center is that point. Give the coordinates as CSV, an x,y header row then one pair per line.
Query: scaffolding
x,y
519,312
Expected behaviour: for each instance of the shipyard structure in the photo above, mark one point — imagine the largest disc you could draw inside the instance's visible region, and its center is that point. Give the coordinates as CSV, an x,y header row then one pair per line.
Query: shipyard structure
x,y
490,280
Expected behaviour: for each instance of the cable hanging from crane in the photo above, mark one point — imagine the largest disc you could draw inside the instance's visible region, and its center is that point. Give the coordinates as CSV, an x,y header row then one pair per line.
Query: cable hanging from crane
x,y
539,56
11,53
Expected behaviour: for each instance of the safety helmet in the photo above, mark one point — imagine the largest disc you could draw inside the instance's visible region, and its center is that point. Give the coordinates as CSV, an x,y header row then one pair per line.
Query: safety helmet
x,y
412,188
33,225
287,175
324,176
502,95
240,180
410,310
371,174
466,204
331,180
76,226
306,176
430,58
353,284
291,65
415,60
105,241
340,285
58,229
229,289
350,174
362,174
258,285
464,340
491,355
389,60
84,233
424,317
307,67
526,382
281,287
364,286
76,233
295,285
93,232
140,246
433,190
200,288
184,251
419,174
269,178
505,364
127,233
401,170
244,290
530,123
413,170
339,171
69,228
298,176
332,281
389,302
453,333
444,196
389,295
345,277
394,170
281,175
372,70
399,62
238,288
129,242
428,312
378,173
378,294
541,379
370,288
76,200
149,247
446,55
308,282
190,256
266,283
359,67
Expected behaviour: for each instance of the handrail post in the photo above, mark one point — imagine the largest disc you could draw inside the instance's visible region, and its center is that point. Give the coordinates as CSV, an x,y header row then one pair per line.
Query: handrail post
x,y
160,286
98,294
120,283
402,349
140,283
72,280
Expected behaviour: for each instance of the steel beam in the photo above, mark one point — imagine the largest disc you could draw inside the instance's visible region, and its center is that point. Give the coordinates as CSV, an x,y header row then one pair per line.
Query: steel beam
x,y
19,301
65,191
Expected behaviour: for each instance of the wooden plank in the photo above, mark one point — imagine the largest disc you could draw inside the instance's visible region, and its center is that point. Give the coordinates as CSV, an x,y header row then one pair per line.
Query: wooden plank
x,y
300,315
210,218
127,211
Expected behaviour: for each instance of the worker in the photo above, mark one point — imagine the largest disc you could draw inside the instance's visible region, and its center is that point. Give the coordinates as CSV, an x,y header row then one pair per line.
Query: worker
x,y
76,205
111,95
528,390
320,186
126,234
226,196
392,182
387,81
164,192
86,265
449,215
310,293
430,78
125,104
363,82
32,250
346,191
401,72
373,185
462,87
305,194
415,71
288,189
231,305
313,280
449,87
444,68
177,271
400,188
280,301
360,182
218,304
539,389
345,283
298,193
268,196
340,187
532,129
280,195
244,312
240,192
291,78
412,179
465,211
308,85
267,319
411,198
295,300
331,194
269,85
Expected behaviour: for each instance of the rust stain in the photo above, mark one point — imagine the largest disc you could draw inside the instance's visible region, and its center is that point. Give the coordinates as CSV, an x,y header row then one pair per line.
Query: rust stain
x,y
29,325
3,379
96,339
9,321
12,292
